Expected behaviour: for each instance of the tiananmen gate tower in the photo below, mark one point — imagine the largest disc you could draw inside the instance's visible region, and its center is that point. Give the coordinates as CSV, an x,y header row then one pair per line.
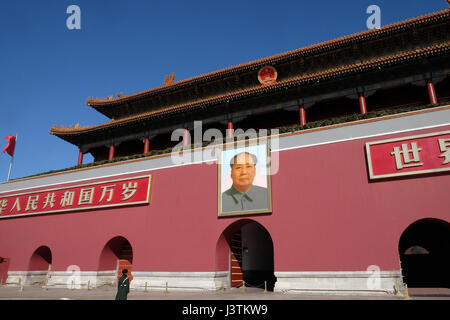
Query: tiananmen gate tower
x,y
351,198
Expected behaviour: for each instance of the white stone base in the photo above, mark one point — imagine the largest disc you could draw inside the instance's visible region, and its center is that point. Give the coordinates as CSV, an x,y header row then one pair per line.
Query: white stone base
x,y
179,281
340,282
176,281
62,279
27,278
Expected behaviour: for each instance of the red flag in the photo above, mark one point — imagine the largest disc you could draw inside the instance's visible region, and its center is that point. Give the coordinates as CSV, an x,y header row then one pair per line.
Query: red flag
x,y
11,145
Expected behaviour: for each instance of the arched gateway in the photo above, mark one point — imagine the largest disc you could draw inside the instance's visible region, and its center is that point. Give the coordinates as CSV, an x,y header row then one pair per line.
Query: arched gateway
x,y
39,265
425,254
117,255
245,250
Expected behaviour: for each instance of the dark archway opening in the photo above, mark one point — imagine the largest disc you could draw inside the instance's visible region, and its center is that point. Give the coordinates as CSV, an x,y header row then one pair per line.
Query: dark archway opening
x,y
117,254
257,256
39,266
4,267
424,249
41,259
251,255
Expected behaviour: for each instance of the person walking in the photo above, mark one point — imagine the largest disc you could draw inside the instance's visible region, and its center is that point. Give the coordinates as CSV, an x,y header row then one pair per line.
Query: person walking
x,y
123,287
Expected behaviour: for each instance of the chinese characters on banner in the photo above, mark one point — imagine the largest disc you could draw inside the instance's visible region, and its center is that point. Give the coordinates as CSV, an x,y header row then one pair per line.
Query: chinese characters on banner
x,y
413,155
111,193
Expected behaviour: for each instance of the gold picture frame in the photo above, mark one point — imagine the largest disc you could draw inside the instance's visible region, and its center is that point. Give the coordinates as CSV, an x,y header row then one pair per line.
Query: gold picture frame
x,y
260,149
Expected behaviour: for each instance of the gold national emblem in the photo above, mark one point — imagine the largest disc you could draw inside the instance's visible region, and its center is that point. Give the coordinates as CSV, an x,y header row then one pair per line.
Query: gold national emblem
x,y
267,75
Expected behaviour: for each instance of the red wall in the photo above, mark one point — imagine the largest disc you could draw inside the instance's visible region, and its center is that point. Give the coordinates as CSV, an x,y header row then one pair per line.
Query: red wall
x,y
327,216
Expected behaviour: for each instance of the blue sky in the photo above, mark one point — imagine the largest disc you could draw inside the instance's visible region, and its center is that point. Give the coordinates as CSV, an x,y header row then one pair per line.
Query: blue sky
x,y
48,71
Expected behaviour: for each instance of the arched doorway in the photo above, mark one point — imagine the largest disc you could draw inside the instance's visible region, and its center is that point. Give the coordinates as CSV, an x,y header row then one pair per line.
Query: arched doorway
x,y
4,267
40,265
245,249
424,249
117,255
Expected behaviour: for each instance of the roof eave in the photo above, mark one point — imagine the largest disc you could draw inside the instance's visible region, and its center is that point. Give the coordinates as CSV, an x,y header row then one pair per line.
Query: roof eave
x,y
99,104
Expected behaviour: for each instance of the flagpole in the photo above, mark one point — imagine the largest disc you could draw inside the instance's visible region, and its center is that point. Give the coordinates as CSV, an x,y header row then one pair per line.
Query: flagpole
x,y
10,167
11,162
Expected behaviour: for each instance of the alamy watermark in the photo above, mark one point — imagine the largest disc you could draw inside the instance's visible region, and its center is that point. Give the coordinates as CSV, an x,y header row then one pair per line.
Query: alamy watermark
x,y
374,280
74,20
74,280
207,144
374,20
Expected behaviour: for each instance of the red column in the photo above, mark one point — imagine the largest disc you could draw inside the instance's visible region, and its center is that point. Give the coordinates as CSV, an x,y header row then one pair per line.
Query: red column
x,y
80,158
301,110
186,137
230,130
431,92
146,145
362,104
111,153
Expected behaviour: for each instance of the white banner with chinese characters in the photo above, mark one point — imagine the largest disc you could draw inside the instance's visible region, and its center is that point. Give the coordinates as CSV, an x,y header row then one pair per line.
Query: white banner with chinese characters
x,y
420,154
105,194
